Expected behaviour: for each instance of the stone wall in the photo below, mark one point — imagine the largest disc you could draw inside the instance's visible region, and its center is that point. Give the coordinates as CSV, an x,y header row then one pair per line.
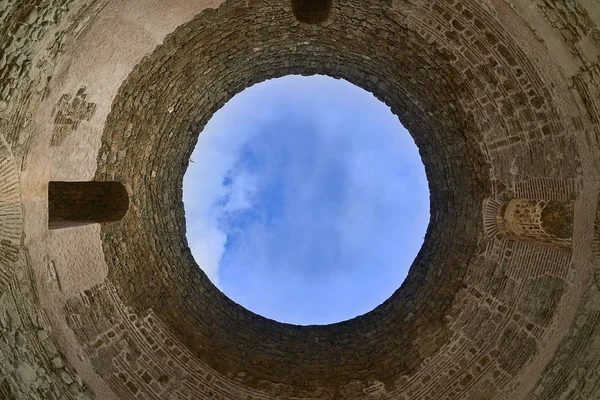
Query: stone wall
x,y
32,35
502,98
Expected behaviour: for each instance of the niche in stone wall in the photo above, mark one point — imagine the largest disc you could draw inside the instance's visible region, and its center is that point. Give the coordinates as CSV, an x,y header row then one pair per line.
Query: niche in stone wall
x,y
546,223
311,11
73,204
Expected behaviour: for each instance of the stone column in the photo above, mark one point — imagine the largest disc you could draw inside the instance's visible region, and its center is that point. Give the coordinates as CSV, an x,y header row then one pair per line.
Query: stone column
x,y
81,203
311,11
544,222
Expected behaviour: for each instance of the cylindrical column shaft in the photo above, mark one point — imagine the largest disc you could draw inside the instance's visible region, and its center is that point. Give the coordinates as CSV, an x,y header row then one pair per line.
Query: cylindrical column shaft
x,y
80,203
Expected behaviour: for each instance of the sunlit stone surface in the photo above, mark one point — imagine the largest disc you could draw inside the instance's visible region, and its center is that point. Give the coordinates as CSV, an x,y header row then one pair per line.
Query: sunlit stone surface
x,y
501,96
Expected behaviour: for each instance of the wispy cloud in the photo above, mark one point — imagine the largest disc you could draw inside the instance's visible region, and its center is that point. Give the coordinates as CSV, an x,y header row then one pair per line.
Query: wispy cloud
x,y
307,201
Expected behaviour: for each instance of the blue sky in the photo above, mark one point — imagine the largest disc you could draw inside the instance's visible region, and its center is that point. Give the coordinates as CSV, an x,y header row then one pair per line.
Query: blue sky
x,y
306,200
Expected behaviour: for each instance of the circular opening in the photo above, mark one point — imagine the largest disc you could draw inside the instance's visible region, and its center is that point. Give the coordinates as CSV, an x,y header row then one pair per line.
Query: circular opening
x,y
158,120
306,200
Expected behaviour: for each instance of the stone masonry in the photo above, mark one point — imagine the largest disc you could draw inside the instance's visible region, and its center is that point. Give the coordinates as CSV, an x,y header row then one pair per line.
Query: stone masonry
x,y
502,98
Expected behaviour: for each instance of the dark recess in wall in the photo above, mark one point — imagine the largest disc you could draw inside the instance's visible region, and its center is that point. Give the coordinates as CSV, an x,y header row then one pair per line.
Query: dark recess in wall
x,y
81,203
311,11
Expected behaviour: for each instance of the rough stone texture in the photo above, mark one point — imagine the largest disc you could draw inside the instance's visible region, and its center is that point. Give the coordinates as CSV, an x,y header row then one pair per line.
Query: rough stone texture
x,y
31,365
206,80
69,112
502,98
33,35
543,222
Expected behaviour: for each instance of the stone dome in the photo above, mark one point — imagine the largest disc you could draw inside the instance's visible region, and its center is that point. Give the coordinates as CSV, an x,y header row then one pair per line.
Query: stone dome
x,y
101,105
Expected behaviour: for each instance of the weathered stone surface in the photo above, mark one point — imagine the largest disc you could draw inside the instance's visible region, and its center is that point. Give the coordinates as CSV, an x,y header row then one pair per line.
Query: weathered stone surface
x,y
502,98
543,222
31,366
68,114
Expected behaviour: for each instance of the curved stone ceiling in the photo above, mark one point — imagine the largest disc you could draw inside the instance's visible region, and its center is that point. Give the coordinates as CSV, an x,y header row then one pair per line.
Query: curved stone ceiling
x,y
502,98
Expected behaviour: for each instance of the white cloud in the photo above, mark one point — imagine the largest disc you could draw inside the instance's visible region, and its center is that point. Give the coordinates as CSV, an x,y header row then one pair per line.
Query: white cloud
x,y
207,245
204,193
347,197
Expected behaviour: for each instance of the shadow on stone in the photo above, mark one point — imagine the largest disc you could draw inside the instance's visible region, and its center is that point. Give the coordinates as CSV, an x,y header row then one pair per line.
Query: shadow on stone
x,y
73,204
311,11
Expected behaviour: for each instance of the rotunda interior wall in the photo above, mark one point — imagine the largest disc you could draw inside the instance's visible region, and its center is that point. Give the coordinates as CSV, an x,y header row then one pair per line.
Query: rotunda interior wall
x,y
525,322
